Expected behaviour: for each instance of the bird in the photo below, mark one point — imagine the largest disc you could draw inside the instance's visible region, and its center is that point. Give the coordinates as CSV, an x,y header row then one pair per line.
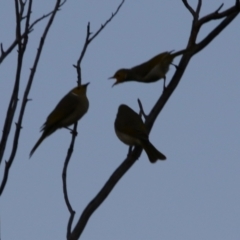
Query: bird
x,y
68,111
149,71
131,130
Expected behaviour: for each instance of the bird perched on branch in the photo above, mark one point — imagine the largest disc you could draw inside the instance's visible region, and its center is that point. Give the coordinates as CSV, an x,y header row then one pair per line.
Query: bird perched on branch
x,y
131,130
150,71
67,112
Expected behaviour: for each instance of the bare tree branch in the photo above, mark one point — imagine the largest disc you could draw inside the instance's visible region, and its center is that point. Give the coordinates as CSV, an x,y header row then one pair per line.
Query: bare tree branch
x,y
198,9
109,20
142,113
28,30
14,98
64,180
45,16
25,98
88,40
216,15
104,192
150,119
215,32
189,8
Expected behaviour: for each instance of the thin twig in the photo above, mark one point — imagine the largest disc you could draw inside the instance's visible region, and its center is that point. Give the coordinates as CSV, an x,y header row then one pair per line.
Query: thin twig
x,y
64,180
190,9
88,40
216,15
198,9
44,16
141,113
25,39
4,54
109,20
25,98
217,30
14,97
134,155
78,65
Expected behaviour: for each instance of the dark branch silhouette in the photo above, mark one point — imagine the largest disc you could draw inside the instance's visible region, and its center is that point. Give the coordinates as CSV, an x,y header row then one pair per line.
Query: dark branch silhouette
x,y
88,40
24,26
21,49
29,29
133,155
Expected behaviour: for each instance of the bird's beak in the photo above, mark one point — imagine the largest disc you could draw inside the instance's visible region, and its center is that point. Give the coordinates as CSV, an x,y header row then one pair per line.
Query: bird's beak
x,y
111,77
86,84
115,84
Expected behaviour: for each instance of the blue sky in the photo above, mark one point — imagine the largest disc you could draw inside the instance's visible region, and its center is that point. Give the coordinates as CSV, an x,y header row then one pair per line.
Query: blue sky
x,y
192,195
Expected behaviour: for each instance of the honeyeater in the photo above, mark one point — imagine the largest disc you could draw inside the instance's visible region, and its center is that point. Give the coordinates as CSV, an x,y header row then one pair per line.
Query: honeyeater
x,y
131,130
154,69
67,112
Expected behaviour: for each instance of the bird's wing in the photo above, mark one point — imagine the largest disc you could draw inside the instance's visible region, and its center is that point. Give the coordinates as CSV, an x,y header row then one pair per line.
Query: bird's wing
x,y
144,68
63,109
132,125
138,131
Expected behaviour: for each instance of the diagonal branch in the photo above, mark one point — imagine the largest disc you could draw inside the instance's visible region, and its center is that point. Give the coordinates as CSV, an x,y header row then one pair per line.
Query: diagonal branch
x,y
89,39
45,16
135,154
189,8
141,112
109,20
217,15
104,192
28,30
214,33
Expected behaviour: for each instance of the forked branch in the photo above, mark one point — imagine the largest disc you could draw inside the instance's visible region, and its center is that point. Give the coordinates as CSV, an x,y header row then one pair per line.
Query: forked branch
x,y
25,96
132,157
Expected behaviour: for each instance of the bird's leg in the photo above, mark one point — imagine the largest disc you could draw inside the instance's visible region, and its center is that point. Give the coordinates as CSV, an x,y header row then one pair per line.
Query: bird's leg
x,y
177,67
72,131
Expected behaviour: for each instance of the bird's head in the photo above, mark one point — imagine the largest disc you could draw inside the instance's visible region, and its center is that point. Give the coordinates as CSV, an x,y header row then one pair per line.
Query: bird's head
x,y
81,89
121,75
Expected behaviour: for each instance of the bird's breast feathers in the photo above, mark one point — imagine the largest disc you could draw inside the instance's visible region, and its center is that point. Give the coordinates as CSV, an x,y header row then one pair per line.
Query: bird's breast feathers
x,y
127,139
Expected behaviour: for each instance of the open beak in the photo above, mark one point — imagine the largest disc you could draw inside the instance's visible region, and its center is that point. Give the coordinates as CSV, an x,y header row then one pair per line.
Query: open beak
x,y
115,84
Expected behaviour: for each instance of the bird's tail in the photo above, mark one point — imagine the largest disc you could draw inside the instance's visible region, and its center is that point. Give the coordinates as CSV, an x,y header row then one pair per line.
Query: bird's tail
x,y
37,144
152,152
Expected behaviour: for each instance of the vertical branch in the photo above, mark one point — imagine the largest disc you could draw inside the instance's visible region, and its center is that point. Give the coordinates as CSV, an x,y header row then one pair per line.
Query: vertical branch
x,y
25,96
14,98
88,40
230,14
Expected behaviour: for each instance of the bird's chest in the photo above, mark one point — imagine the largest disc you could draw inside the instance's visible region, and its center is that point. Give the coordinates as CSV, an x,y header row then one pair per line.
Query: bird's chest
x,y
80,109
127,139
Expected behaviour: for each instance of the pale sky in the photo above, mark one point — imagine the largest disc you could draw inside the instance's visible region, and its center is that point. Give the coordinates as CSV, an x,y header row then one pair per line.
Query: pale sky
x,y
194,194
